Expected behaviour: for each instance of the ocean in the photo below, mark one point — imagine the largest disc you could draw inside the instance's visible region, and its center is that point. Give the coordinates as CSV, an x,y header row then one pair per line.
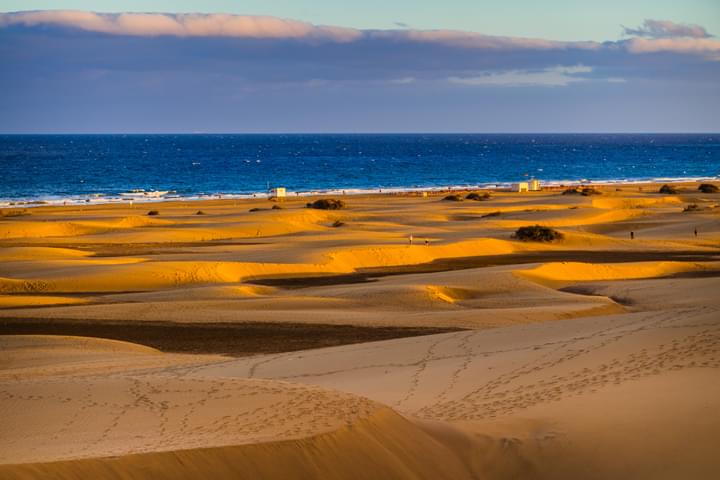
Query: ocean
x,y
116,168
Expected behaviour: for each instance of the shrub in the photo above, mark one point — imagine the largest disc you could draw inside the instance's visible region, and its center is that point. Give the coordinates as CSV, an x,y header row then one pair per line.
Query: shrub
x,y
338,223
667,190
708,188
256,209
491,214
153,213
478,196
693,207
587,191
453,198
584,191
199,212
14,213
327,204
277,207
537,233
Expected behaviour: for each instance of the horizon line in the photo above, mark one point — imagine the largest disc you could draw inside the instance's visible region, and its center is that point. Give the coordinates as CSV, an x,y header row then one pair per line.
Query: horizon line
x,y
372,133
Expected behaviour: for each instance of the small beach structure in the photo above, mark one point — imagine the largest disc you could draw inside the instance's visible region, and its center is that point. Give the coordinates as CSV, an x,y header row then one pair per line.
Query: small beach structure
x,y
277,193
535,185
520,187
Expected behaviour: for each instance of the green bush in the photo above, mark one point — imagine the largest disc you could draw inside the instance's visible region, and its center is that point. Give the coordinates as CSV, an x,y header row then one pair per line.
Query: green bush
x,y
277,207
338,223
256,209
153,213
478,196
667,190
453,198
327,204
708,188
537,233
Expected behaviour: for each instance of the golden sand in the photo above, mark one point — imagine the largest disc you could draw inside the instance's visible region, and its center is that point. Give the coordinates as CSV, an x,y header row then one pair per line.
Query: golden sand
x,y
595,356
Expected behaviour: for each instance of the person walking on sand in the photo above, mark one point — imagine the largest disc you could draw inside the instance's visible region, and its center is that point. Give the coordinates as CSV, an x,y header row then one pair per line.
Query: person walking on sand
x,y
410,238
427,242
695,231
632,235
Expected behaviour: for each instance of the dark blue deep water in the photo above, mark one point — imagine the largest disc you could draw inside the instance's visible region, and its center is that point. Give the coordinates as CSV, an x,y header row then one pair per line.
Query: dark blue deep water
x,y
53,167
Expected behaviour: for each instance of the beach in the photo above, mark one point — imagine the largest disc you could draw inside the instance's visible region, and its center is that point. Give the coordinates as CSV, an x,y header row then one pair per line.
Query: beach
x,y
403,336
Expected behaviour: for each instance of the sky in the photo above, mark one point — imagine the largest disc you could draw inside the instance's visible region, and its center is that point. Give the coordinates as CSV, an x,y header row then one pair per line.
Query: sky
x,y
551,19
422,66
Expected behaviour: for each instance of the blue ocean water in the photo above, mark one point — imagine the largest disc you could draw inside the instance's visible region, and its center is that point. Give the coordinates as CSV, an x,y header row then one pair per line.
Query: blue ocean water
x,y
100,167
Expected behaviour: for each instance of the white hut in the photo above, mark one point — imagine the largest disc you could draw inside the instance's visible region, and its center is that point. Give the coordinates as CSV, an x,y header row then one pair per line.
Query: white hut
x,y
520,187
278,192
535,185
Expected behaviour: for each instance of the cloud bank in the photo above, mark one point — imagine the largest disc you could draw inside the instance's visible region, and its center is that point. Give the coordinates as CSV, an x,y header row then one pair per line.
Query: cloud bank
x,y
652,36
179,25
655,36
215,72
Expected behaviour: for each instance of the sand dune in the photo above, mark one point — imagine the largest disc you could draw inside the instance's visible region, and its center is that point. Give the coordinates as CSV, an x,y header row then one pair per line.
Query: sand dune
x,y
381,446
571,272
568,399
166,423
594,357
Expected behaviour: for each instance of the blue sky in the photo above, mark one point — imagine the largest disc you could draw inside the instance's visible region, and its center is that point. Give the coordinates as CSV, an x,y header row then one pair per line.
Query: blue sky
x,y
553,19
455,66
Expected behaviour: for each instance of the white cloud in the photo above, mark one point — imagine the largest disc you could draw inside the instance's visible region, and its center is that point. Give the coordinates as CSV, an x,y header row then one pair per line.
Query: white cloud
x,y
653,36
402,81
664,36
675,45
455,38
549,77
180,25
245,26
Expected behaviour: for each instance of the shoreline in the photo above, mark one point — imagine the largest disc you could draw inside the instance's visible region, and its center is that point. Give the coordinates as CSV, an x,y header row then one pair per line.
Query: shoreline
x,y
119,199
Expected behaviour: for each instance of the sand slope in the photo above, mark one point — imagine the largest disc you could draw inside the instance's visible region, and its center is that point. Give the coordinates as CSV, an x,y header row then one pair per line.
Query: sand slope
x,y
383,445
151,420
625,396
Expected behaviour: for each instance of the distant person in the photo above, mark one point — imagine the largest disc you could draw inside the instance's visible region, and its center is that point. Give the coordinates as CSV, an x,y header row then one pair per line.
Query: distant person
x,y
427,242
410,238
632,235
695,231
